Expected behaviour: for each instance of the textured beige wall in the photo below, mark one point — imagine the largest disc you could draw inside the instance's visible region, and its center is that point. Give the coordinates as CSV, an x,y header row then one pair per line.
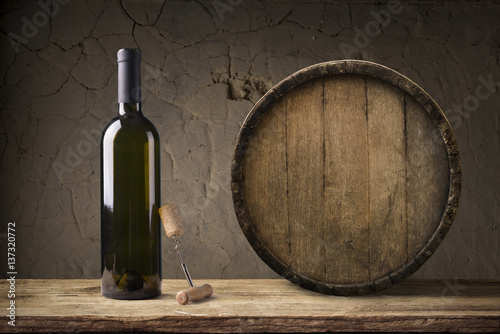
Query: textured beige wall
x,y
205,64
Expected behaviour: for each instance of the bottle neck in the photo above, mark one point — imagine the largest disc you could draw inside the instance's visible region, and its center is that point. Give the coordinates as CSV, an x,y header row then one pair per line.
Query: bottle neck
x,y
129,108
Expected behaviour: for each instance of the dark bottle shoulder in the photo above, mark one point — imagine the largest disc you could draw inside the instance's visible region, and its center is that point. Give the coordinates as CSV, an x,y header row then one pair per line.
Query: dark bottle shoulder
x,y
123,125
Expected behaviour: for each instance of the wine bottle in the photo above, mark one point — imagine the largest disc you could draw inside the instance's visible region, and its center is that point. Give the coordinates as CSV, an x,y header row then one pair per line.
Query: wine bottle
x,y
130,193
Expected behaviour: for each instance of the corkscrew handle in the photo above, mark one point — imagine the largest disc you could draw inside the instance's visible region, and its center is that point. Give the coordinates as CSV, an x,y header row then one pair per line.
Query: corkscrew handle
x,y
204,291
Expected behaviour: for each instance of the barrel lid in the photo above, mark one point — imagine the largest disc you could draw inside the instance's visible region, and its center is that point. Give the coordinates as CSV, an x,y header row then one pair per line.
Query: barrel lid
x,y
345,177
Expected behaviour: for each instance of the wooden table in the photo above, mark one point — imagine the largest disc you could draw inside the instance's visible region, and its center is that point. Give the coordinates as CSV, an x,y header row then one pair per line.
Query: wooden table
x,y
255,306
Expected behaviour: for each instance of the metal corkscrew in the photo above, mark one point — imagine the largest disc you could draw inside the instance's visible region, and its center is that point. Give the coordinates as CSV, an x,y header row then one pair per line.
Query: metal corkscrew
x,y
183,264
173,228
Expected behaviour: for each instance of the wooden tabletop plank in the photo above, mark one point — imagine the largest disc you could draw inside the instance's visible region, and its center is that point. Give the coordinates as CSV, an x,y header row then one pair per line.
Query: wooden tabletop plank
x,y
256,306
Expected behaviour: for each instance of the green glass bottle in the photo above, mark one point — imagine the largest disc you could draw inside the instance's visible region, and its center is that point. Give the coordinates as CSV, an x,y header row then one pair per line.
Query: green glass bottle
x,y
130,193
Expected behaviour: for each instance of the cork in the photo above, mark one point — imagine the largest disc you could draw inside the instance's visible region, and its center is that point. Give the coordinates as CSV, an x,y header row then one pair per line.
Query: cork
x,y
171,220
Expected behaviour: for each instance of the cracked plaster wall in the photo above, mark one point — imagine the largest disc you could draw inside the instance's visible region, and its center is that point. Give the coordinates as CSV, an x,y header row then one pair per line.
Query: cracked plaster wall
x,y
205,63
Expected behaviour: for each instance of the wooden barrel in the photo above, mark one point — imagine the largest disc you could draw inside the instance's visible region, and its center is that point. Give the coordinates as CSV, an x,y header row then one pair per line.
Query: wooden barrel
x,y
346,177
